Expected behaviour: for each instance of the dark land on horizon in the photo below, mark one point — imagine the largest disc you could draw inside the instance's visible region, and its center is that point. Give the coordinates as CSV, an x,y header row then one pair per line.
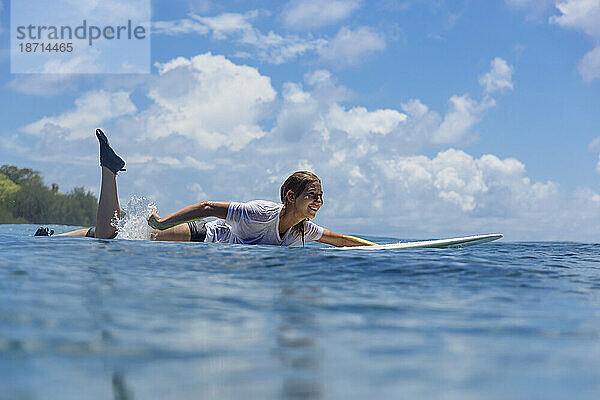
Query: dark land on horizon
x,y
25,199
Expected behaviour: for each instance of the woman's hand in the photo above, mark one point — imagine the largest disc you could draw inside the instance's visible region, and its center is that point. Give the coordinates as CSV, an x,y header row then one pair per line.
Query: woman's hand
x,y
155,221
338,240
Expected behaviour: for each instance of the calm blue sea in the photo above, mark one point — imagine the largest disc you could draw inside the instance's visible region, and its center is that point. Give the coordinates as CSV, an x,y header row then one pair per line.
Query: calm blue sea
x,y
84,318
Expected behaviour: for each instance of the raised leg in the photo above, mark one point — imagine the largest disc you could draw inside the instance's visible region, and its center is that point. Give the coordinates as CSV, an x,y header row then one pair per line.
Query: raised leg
x,y
108,205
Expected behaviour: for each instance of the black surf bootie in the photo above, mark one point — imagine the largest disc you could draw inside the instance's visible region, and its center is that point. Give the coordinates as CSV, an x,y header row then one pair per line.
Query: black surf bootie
x,y
43,232
108,157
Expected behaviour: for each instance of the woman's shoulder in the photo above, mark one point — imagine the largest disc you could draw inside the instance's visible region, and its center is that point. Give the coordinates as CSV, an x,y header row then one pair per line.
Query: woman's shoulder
x,y
308,224
263,203
262,210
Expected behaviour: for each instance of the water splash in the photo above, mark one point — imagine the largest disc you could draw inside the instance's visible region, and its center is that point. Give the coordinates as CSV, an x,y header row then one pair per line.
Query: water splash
x,y
133,224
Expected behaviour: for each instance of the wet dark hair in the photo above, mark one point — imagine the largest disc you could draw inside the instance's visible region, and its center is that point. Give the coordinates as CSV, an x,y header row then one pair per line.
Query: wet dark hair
x,y
297,182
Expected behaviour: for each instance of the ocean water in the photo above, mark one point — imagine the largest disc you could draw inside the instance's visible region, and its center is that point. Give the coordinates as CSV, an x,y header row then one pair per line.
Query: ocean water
x,y
85,318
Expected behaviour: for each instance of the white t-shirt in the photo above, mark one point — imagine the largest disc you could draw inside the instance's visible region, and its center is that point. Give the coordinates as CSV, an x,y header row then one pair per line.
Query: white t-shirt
x,y
257,222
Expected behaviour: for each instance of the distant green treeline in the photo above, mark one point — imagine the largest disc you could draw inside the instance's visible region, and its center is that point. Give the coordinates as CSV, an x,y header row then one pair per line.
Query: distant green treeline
x,y
25,199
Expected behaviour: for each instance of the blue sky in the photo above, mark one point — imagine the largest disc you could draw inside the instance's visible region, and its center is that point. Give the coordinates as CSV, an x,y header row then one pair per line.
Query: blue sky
x,y
423,118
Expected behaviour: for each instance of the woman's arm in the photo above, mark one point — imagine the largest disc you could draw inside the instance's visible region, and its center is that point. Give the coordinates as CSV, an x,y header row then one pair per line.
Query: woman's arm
x,y
338,240
190,213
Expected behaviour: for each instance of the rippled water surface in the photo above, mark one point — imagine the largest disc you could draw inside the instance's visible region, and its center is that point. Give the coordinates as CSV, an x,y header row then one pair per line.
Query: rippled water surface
x,y
124,319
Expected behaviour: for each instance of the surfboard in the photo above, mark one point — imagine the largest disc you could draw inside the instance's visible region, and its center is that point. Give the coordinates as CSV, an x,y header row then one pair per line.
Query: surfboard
x,y
438,243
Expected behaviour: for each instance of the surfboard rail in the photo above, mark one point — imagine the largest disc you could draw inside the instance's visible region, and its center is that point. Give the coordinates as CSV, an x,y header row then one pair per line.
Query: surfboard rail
x,y
458,242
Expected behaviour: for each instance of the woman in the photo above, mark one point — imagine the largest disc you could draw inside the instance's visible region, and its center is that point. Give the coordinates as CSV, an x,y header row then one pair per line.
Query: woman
x,y
254,222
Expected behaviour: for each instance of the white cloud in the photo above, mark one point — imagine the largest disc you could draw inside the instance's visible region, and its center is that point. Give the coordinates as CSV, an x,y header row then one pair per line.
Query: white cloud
x,y
269,47
584,16
350,47
278,49
318,77
201,6
221,26
410,129
426,127
197,192
319,111
534,8
83,61
454,180
358,122
598,165
589,66
298,115
92,109
172,162
11,144
594,144
499,78
42,84
201,99
464,113
179,27
225,24
589,196
308,14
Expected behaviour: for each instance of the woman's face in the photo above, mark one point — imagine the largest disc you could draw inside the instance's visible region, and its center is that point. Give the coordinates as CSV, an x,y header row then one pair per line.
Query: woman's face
x,y
310,200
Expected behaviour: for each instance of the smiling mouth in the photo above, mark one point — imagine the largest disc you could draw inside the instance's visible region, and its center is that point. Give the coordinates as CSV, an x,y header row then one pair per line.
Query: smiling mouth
x,y
315,209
